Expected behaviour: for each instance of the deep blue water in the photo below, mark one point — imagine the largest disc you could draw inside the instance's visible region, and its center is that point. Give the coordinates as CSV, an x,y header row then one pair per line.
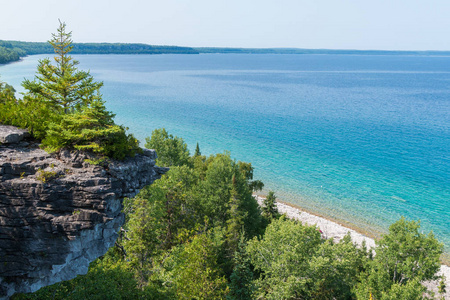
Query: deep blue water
x,y
361,139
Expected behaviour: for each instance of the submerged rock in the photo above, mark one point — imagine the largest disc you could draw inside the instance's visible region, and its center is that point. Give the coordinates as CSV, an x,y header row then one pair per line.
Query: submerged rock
x,y
57,212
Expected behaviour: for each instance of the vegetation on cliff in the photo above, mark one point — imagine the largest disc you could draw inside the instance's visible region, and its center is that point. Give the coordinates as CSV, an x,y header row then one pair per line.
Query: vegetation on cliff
x,y
63,107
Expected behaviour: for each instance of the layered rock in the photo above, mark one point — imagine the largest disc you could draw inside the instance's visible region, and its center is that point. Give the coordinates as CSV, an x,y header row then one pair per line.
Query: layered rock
x,y
58,212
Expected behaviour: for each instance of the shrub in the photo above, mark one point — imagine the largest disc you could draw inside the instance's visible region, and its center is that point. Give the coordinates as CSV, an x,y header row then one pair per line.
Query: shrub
x,y
91,129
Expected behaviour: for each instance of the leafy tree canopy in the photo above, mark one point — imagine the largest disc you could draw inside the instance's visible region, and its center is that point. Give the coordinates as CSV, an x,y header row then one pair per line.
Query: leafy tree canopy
x,y
404,258
172,151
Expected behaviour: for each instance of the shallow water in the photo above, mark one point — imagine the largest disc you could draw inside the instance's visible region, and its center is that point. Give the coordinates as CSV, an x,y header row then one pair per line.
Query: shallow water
x,y
363,139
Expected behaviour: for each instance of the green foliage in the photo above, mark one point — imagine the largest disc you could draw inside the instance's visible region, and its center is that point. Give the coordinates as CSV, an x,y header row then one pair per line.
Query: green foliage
x,y
30,48
281,256
197,200
46,176
62,84
241,280
63,107
295,263
197,150
171,209
172,151
403,255
234,229
269,209
8,55
412,290
196,271
91,129
6,93
334,269
32,115
442,287
106,279
184,238
247,171
216,191
157,219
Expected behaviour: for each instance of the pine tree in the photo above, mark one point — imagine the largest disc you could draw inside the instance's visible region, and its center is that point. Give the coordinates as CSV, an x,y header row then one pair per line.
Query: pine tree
x,y
62,84
241,285
235,222
197,150
70,110
270,209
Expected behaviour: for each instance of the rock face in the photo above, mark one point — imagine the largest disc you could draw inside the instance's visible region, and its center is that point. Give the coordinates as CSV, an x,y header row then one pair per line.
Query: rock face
x,y
57,212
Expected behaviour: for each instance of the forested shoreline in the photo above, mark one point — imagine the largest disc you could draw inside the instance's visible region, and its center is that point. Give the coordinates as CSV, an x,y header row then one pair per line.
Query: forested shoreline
x,y
13,50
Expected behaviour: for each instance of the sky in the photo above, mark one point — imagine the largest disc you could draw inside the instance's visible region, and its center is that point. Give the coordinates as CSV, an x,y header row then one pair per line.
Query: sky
x,y
313,24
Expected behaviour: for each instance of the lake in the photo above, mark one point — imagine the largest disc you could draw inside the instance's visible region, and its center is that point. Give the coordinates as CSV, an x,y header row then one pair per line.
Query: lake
x,y
360,139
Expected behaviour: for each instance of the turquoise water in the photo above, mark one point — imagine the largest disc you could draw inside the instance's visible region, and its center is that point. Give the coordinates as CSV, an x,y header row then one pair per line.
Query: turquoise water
x,y
361,139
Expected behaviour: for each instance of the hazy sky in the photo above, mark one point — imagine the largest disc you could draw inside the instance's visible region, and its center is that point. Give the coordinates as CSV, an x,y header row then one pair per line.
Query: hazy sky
x,y
332,24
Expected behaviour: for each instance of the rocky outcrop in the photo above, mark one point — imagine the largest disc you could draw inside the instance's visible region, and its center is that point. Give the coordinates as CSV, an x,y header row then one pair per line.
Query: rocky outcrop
x,y
58,212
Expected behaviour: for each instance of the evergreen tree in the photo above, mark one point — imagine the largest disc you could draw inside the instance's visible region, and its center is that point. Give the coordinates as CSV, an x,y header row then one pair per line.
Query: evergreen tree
x,y
241,280
63,107
197,150
62,84
270,210
235,221
234,227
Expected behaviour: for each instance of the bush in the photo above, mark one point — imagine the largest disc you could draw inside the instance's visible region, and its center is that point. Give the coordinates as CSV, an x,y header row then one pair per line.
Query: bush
x,y
91,129
32,115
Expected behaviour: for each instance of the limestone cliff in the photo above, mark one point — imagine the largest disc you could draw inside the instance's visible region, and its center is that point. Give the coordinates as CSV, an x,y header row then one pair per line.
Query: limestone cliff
x,y
57,212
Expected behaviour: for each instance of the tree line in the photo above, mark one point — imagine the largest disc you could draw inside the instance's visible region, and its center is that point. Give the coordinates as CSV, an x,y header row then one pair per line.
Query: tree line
x,y
13,50
10,53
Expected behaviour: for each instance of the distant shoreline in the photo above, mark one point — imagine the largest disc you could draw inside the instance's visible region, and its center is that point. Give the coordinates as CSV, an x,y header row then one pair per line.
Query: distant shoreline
x,y
22,49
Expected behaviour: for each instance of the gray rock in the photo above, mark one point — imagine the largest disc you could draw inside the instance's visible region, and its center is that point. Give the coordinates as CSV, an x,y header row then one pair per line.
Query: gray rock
x,y
150,153
12,135
58,213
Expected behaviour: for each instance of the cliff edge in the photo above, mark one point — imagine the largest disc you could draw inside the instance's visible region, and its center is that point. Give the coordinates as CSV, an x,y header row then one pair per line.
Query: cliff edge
x,y
58,212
